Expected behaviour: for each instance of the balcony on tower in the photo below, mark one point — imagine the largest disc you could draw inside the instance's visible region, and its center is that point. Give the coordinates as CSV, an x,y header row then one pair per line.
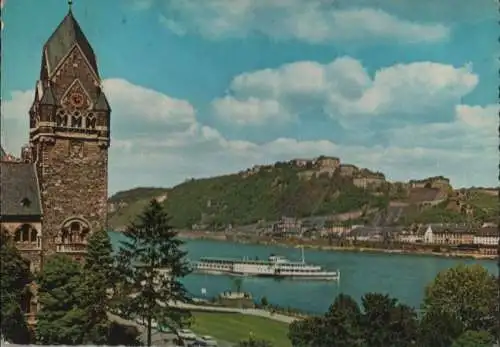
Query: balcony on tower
x,y
72,238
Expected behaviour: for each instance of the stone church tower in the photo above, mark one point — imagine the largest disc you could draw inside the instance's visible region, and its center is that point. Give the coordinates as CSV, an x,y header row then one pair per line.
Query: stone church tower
x,y
69,140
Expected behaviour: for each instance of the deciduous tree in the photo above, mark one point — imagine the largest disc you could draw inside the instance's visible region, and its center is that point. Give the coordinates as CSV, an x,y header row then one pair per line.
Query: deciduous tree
x,y
438,329
387,323
339,327
472,338
308,332
468,292
152,262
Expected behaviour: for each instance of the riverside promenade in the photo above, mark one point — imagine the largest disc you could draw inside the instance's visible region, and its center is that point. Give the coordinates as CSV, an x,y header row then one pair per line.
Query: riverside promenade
x,y
246,311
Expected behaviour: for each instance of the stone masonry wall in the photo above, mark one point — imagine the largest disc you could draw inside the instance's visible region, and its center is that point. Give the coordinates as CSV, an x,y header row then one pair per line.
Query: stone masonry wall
x,y
74,67
73,185
72,165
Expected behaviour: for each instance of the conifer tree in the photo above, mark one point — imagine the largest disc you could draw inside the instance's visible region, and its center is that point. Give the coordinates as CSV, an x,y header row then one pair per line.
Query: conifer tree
x,y
98,275
62,318
15,276
152,263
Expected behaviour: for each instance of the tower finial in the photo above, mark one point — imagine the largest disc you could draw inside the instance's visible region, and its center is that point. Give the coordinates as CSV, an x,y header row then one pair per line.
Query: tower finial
x,y
70,4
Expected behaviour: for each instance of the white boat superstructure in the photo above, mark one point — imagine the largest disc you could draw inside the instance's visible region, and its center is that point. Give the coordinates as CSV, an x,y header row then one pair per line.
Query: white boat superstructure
x,y
275,266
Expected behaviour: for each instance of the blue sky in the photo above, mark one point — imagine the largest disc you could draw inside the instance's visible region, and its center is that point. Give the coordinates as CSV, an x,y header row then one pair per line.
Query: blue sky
x,y
204,87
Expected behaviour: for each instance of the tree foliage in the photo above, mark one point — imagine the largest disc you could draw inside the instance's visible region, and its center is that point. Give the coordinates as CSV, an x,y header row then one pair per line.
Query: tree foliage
x,y
15,276
63,316
253,342
469,292
150,263
338,327
471,338
438,329
459,311
384,322
123,335
308,332
98,278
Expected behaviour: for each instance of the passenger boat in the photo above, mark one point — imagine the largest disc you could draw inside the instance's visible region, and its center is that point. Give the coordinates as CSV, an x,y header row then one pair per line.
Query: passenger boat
x,y
275,266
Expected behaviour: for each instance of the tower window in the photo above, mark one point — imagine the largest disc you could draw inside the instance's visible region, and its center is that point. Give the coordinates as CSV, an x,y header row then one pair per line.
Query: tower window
x,y
61,118
74,231
75,227
91,121
76,120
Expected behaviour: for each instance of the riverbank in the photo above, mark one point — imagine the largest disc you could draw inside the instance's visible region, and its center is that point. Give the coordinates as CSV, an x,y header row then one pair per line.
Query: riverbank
x,y
314,244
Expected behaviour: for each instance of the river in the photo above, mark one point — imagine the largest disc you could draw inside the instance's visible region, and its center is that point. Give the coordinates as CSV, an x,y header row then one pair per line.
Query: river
x,y
401,276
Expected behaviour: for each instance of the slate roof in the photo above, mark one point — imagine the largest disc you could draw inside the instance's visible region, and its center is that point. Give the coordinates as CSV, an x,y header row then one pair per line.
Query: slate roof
x,y
102,102
62,40
18,182
448,229
48,97
488,232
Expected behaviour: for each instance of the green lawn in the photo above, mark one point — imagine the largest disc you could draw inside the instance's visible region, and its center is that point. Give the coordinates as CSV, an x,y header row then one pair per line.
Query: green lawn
x,y
234,327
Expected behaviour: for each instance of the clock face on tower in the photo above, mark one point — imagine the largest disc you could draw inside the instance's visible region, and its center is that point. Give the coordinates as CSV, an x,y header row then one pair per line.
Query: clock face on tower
x,y
76,100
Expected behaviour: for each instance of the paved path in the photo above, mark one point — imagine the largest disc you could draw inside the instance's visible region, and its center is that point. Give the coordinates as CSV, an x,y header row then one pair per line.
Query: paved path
x,y
247,311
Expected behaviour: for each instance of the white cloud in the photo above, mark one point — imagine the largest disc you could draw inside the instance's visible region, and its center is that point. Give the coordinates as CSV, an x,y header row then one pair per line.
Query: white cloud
x,y
344,90
474,128
251,111
313,21
14,123
137,105
484,118
181,147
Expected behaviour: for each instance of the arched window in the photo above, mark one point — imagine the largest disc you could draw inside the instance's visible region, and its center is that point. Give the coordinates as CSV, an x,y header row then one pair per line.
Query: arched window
x,y
76,119
74,231
26,233
91,121
61,118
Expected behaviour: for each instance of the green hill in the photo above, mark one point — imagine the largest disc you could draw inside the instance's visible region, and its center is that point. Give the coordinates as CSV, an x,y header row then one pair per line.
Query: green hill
x,y
252,196
123,206
300,189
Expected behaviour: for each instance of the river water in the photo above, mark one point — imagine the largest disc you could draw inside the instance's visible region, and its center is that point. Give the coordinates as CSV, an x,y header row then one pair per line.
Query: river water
x,y
401,276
